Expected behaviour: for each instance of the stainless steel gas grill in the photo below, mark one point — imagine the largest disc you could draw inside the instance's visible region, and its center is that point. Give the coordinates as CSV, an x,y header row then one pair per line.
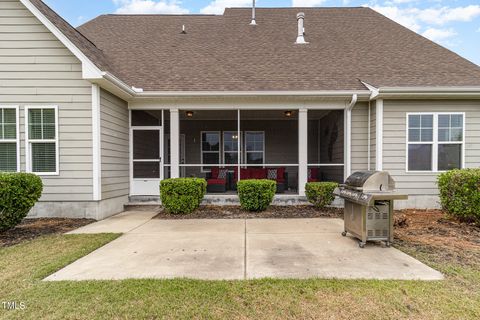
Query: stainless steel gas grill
x,y
369,197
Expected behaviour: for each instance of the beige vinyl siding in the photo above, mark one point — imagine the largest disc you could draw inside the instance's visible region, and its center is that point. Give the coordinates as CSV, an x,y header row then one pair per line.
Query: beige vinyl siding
x,y
360,137
114,145
37,69
394,143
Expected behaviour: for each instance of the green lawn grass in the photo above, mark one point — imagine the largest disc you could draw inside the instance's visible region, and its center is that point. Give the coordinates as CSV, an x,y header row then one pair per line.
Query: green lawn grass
x,y
23,266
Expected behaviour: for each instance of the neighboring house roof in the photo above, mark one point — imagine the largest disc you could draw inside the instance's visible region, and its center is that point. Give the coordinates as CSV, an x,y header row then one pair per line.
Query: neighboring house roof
x,y
225,53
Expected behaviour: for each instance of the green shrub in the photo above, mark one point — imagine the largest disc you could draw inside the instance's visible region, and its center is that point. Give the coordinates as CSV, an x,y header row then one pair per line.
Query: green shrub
x,y
460,193
320,194
18,194
256,195
182,195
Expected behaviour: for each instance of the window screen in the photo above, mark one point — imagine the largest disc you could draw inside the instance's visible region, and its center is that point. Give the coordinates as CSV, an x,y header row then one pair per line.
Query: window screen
x,y
210,148
8,139
230,147
42,137
254,147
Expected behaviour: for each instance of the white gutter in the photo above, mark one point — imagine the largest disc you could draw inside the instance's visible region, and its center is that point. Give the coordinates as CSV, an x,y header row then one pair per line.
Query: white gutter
x,y
330,93
119,83
372,93
429,89
423,92
140,93
348,135
428,92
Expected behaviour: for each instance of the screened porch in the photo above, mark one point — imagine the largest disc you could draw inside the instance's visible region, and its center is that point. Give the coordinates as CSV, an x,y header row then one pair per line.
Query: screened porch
x,y
225,146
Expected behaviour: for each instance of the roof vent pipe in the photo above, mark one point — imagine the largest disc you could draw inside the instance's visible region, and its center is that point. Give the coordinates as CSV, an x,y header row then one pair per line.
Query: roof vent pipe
x,y
301,29
254,22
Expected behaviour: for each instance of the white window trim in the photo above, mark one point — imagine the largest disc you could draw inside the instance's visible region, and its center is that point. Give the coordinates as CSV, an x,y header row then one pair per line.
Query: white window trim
x,y
220,144
245,152
434,142
17,129
28,153
223,147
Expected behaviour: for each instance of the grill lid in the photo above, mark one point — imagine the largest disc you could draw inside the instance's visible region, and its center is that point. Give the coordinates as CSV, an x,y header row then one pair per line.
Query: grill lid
x,y
358,179
373,181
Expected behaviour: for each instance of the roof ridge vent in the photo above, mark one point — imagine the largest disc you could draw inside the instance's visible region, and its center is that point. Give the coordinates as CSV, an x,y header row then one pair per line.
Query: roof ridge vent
x,y
301,28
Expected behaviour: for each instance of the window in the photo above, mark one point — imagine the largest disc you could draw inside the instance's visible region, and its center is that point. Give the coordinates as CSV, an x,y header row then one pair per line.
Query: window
x,y
9,145
210,148
255,147
230,147
435,141
450,141
42,140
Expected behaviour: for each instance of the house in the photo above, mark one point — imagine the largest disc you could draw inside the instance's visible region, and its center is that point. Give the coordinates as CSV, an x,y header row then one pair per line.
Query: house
x,y
105,111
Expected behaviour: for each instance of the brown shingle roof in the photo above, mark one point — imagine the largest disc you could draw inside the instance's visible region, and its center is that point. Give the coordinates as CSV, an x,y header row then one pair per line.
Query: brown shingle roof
x,y
225,53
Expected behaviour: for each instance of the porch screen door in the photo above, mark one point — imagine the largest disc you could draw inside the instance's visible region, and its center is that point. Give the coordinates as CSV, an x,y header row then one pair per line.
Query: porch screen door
x,y
146,158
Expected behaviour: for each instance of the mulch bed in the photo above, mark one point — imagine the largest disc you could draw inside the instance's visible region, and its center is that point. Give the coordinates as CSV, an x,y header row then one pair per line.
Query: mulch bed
x,y
273,212
447,239
30,229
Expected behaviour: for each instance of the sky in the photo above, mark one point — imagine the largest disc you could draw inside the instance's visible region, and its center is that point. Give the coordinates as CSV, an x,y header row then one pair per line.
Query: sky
x,y
454,24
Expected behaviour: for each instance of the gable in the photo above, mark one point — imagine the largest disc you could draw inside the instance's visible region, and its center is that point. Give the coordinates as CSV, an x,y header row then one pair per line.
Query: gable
x,y
28,15
24,39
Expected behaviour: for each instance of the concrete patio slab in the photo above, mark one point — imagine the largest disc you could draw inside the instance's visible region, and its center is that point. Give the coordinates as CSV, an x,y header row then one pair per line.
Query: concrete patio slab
x,y
164,256
167,255
120,223
329,255
202,226
237,249
279,226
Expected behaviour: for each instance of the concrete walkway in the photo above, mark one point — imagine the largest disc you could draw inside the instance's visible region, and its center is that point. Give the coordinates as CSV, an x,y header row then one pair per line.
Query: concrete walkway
x,y
236,249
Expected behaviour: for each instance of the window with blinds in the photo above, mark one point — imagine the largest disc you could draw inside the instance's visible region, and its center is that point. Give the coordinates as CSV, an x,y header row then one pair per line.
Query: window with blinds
x,y
8,139
42,140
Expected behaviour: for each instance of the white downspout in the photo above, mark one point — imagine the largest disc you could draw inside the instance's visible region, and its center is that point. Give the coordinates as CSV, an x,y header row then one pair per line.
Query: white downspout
x,y
369,146
348,136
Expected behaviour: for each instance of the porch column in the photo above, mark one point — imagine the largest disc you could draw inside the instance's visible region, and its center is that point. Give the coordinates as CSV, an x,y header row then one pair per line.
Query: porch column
x,y
302,150
174,143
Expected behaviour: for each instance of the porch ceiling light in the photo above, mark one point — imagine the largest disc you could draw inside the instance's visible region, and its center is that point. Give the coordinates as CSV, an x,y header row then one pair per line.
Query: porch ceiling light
x,y
288,113
189,114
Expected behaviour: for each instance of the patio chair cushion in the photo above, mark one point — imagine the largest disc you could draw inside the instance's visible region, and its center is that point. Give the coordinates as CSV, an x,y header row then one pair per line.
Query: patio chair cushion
x,y
214,172
258,173
216,181
313,174
244,174
281,175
